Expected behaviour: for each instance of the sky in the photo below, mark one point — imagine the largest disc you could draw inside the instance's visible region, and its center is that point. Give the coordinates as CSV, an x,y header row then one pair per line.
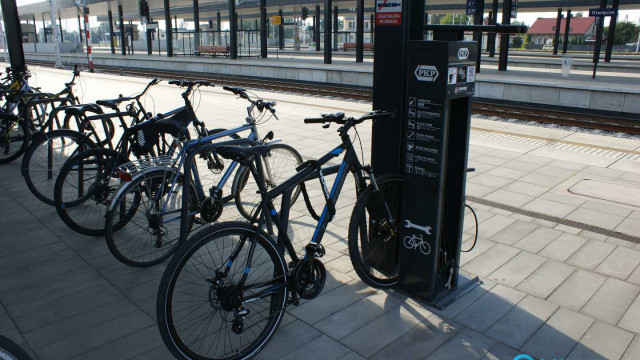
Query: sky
x,y
528,18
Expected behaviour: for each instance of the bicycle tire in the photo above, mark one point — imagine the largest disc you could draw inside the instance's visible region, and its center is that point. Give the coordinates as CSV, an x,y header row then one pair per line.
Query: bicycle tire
x,y
9,350
109,132
85,213
119,236
12,129
167,299
42,187
247,198
367,204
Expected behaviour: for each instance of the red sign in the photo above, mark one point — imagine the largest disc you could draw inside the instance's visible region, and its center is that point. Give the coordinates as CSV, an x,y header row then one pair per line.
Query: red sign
x,y
389,12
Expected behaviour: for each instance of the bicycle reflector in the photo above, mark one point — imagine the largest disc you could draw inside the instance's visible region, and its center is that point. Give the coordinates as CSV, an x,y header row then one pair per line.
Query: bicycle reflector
x,y
125,176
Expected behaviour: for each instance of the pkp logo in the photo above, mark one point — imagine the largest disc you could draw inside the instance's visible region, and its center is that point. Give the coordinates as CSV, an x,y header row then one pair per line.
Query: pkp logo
x,y
463,54
426,73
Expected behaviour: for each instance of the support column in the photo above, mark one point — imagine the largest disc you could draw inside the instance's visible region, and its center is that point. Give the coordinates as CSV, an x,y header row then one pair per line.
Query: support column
x,y
113,46
612,33
55,32
504,38
263,29
360,31
327,31
599,28
316,33
492,36
168,29
335,28
281,31
36,30
233,22
44,29
372,27
489,21
79,26
61,34
13,32
567,26
478,19
123,41
556,39
219,28
196,21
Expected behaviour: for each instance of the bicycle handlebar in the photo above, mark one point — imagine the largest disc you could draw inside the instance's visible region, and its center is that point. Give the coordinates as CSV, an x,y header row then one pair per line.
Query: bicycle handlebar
x,y
339,118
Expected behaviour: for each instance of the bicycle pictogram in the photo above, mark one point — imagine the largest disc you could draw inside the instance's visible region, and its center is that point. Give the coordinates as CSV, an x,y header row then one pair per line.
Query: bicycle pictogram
x,y
414,242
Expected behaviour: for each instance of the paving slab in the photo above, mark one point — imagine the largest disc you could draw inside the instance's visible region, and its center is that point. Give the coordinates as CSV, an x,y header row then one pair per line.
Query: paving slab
x,y
538,239
620,263
322,348
631,318
517,269
577,289
290,338
546,279
602,341
563,247
633,351
490,260
514,232
591,254
501,352
485,312
611,300
467,344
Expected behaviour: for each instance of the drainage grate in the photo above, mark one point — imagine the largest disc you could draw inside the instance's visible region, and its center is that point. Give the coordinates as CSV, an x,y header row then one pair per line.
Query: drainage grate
x,y
572,223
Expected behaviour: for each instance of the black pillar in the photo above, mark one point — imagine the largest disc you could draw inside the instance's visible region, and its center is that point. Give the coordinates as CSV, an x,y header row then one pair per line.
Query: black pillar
x,y
316,33
263,29
113,46
327,31
233,27
599,28
612,33
372,27
478,19
567,26
79,26
504,38
123,39
489,21
196,22
281,31
492,36
168,29
219,27
61,35
36,30
335,28
556,39
359,30
13,31
44,28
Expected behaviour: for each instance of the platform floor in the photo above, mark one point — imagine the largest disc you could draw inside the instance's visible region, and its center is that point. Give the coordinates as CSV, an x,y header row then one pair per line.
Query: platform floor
x,y
558,253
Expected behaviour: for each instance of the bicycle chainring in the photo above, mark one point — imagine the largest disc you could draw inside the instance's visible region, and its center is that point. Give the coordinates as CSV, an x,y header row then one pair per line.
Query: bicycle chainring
x,y
211,209
310,278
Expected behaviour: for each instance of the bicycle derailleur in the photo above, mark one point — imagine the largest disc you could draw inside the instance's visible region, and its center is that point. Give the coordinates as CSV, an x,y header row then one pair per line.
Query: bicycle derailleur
x,y
310,275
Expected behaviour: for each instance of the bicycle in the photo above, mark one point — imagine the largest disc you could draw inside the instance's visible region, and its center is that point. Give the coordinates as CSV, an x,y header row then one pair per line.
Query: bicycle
x,y
153,190
11,351
48,153
231,281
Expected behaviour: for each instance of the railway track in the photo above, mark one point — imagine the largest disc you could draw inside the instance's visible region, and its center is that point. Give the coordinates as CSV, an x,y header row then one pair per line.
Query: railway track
x,y
609,122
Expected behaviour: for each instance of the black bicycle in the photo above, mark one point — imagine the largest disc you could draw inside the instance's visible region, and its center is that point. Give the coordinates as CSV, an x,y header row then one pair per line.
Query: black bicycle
x,y
224,292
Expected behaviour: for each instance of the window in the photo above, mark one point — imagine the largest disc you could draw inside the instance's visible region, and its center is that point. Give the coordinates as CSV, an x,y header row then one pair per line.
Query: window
x,y
352,25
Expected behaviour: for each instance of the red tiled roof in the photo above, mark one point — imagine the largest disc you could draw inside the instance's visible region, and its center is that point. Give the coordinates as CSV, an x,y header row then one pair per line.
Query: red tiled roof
x,y
579,26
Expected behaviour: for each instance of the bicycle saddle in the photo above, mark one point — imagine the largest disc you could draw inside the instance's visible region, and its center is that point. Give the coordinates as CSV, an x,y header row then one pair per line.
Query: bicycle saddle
x,y
113,103
81,109
242,154
176,124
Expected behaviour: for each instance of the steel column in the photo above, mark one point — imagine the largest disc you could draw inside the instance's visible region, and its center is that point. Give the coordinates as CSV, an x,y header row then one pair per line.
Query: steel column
x,y
263,29
196,21
13,32
79,26
599,28
556,39
113,46
61,35
335,28
567,26
219,28
168,29
492,36
36,29
489,21
316,33
612,33
478,19
123,40
281,31
233,27
327,31
504,38
44,29
359,30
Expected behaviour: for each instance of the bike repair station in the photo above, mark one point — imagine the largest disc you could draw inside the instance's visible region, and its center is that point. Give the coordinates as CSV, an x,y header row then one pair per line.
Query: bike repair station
x,y
428,142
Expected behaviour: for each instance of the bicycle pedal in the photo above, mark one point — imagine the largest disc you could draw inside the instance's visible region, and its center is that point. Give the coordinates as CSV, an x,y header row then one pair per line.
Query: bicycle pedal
x,y
316,250
198,221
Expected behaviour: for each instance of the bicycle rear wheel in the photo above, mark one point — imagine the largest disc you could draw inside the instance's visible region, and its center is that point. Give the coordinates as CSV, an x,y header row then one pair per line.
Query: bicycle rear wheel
x,y
46,156
373,242
199,307
84,188
279,165
142,227
14,137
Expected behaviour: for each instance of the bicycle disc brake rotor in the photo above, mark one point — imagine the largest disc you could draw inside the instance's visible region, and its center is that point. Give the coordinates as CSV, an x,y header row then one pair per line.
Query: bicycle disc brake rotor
x,y
310,279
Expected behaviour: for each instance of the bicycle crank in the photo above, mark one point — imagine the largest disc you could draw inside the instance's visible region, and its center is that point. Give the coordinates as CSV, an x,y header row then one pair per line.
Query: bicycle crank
x,y
310,278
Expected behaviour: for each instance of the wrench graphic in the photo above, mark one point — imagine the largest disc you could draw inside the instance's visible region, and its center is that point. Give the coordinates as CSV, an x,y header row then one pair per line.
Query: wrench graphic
x,y
409,225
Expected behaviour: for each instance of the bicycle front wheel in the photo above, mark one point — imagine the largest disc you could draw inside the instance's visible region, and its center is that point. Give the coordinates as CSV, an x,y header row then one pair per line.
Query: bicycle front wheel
x,y
14,137
142,227
279,165
373,241
46,156
202,311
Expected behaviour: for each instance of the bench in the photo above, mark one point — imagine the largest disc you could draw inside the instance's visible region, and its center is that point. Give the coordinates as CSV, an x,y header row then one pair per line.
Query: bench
x,y
213,50
352,46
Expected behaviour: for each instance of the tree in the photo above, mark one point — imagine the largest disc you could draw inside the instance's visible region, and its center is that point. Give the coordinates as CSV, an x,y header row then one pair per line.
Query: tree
x,y
578,14
626,32
527,39
517,42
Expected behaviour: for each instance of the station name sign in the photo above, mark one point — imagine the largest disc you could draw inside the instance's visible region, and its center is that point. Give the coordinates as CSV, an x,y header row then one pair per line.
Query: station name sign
x,y
389,12
603,12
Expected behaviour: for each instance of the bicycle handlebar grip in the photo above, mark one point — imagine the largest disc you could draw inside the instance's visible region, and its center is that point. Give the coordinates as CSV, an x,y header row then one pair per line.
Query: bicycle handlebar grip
x,y
174,82
204,83
315,121
229,88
